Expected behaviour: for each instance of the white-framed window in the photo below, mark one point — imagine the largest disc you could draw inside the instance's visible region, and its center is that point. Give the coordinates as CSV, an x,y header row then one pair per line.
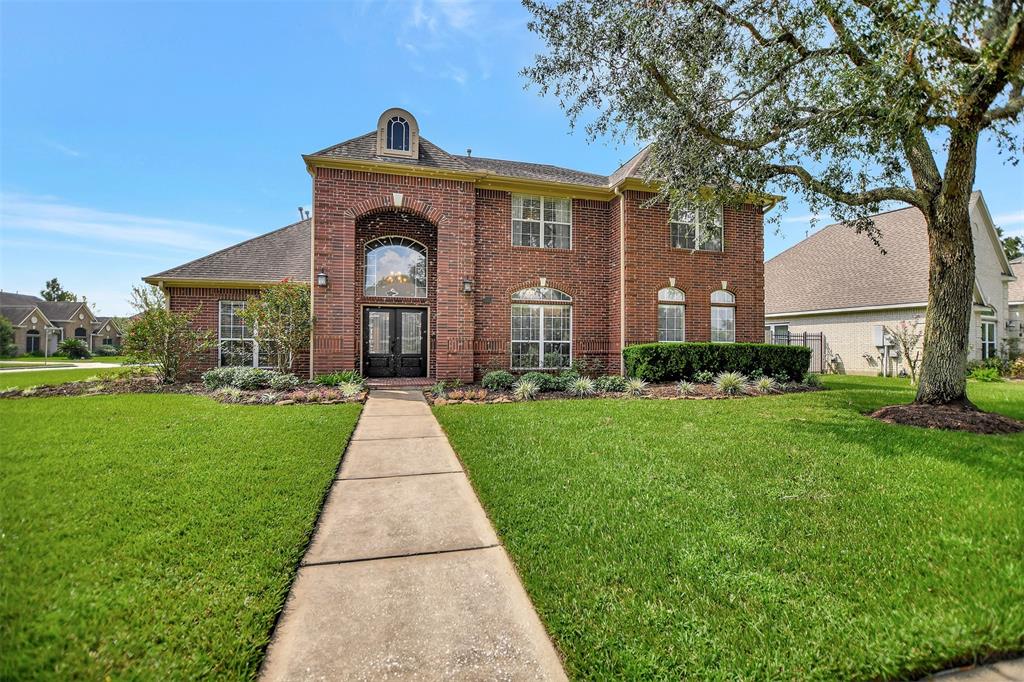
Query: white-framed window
x,y
723,317
237,346
541,329
671,314
698,228
396,267
988,339
541,222
777,332
398,134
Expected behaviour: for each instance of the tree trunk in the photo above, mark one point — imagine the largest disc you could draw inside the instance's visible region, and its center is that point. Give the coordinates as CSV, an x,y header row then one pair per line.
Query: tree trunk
x,y
950,280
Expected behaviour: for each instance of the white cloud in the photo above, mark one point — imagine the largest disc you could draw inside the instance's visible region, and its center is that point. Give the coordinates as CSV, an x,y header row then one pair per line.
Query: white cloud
x,y
806,218
63,149
29,215
1004,219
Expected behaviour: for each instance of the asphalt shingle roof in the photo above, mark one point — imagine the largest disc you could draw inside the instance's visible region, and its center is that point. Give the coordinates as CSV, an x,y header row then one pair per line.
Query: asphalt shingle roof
x,y
15,312
534,171
838,268
364,148
1015,289
59,311
283,253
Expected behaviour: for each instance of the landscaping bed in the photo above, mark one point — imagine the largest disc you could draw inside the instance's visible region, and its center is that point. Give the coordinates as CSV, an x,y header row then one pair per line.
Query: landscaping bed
x,y
792,538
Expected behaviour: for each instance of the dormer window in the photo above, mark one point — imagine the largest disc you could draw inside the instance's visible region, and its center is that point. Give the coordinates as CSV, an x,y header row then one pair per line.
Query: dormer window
x,y
398,134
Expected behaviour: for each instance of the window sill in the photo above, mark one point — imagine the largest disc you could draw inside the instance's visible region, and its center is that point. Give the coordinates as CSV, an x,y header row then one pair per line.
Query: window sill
x,y
542,248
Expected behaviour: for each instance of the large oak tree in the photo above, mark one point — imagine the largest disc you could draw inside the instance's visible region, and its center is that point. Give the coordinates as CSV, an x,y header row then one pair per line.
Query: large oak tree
x,y
849,103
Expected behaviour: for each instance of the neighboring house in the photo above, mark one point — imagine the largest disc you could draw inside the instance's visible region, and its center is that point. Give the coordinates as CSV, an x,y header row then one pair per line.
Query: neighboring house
x,y
425,263
838,283
1015,296
40,324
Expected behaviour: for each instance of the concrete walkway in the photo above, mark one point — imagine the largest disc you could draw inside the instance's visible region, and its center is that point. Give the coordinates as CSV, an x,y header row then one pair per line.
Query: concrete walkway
x,y
405,577
61,365
1004,671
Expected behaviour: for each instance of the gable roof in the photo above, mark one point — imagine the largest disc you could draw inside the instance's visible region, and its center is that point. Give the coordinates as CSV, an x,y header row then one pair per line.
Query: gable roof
x,y
534,171
364,148
62,311
1015,289
8,298
17,313
836,268
271,257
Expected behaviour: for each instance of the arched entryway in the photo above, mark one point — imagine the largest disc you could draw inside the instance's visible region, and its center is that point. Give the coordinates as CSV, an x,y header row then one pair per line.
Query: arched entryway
x,y
396,293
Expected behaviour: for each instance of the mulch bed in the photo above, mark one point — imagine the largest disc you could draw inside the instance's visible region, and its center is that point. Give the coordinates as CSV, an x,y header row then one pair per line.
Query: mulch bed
x,y
473,393
949,418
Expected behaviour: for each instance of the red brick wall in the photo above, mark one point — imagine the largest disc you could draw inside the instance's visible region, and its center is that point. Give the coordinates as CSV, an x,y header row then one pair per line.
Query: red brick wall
x,y
206,305
340,197
583,272
651,261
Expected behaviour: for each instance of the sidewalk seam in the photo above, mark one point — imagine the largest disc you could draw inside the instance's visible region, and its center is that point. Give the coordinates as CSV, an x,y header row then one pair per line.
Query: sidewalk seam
x,y
363,560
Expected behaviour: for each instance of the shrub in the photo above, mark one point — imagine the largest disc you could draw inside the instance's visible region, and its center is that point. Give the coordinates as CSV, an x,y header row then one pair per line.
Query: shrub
x,y
731,383
811,379
244,378
582,387
703,377
283,382
74,349
782,378
670,361
439,390
339,378
544,381
269,398
611,383
350,389
1017,369
498,381
635,386
106,350
766,385
686,388
7,346
985,374
168,340
564,380
229,394
525,389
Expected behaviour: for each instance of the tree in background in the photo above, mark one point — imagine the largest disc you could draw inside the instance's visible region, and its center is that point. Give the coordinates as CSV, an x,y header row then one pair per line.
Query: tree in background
x,y
1013,246
53,291
167,340
840,101
280,320
7,347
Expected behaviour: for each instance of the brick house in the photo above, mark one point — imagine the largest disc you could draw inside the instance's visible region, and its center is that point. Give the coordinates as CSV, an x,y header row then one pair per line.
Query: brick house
x,y
40,325
428,264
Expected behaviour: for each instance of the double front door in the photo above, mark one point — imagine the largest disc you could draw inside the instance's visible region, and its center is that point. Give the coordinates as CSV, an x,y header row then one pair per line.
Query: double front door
x,y
395,342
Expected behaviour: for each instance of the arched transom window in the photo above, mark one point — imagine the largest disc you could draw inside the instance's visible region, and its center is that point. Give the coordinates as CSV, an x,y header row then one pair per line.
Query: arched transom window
x,y
671,314
541,328
398,134
723,316
395,268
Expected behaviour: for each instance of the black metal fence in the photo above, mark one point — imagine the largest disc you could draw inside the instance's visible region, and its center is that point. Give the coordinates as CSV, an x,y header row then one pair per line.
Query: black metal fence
x,y
813,340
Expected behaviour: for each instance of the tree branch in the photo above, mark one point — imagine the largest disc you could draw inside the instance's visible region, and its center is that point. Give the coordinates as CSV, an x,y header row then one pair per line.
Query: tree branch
x,y
784,38
1009,110
940,38
867,197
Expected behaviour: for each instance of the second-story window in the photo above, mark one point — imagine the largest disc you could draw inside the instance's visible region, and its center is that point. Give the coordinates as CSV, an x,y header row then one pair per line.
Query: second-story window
x,y
542,222
398,134
697,228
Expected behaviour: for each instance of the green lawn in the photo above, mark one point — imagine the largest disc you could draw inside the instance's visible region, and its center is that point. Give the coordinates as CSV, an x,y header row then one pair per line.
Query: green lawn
x,y
49,377
787,537
153,536
56,359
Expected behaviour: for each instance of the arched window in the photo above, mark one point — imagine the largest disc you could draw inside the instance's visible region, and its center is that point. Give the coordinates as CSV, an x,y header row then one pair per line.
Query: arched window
x,y
32,341
398,134
541,328
80,333
723,316
395,268
671,314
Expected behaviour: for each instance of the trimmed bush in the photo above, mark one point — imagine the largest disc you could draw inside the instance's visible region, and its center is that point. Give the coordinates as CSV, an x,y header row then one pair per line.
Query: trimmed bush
x,y
611,383
674,361
543,381
106,350
244,378
283,382
74,349
498,381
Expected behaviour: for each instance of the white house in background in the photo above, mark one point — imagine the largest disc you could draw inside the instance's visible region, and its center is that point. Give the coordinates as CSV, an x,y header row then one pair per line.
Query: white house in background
x,y
1016,302
838,283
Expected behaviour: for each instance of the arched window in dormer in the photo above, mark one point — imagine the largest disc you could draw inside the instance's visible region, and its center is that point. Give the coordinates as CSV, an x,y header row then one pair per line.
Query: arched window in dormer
x,y
398,134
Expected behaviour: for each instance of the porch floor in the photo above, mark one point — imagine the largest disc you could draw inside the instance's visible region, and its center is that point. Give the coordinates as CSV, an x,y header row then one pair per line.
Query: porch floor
x,y
387,382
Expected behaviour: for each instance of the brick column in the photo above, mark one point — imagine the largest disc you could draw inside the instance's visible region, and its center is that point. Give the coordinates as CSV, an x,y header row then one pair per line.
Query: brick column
x,y
334,338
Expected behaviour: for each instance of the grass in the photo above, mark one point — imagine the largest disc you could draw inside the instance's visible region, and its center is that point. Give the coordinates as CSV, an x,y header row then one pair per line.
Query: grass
x,y
49,377
118,359
787,537
154,536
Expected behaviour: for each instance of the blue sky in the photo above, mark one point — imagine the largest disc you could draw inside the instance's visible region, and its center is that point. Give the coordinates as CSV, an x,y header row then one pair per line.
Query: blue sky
x,y
137,136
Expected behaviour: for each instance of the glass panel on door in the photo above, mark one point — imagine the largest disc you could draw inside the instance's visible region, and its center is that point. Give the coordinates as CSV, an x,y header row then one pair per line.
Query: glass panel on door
x,y
412,332
379,332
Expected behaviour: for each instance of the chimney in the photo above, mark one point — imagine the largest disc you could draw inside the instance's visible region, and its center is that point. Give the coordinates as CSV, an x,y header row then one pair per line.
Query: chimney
x,y
469,151
302,213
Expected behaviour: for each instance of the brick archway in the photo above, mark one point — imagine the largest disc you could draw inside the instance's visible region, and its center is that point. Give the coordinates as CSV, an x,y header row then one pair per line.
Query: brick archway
x,y
550,283
399,203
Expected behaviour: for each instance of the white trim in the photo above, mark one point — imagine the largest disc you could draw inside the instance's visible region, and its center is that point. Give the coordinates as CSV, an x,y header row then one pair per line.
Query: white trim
x,y
682,319
826,311
697,230
220,339
543,198
540,341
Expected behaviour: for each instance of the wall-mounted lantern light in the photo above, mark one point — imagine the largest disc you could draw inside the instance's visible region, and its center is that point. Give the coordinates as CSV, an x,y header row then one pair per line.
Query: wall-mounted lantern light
x,y
467,286
321,279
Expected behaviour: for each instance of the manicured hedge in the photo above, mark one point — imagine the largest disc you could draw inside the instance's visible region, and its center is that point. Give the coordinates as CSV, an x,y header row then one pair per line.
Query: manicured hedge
x,y
672,361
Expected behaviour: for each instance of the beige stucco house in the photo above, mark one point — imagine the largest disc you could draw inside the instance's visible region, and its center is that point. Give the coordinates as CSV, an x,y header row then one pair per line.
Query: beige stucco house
x,y
40,325
838,283
1015,294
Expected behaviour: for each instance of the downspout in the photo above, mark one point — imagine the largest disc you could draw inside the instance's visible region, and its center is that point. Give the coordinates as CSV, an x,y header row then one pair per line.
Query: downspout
x,y
622,278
